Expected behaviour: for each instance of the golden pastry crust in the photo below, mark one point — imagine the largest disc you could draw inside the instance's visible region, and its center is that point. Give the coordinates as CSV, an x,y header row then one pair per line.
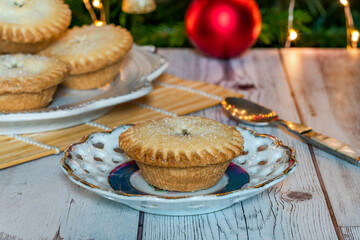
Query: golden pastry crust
x,y
30,21
183,179
25,73
95,79
13,47
181,142
10,102
90,48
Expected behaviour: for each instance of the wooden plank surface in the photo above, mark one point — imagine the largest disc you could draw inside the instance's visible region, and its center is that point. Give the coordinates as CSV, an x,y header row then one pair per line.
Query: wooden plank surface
x,y
326,86
318,201
351,232
293,209
37,201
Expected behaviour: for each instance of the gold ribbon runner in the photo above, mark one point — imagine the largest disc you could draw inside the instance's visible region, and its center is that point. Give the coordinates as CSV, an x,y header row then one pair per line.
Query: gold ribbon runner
x,y
172,96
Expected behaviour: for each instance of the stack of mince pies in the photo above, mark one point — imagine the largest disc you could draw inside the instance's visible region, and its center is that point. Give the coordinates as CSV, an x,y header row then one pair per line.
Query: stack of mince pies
x,y
38,52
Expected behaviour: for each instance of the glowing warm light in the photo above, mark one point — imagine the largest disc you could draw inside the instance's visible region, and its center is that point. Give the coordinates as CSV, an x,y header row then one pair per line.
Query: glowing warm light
x,y
99,23
243,112
344,2
292,35
355,36
96,3
90,6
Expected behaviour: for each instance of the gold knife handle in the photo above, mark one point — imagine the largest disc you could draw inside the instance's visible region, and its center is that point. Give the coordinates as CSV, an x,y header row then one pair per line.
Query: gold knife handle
x,y
325,143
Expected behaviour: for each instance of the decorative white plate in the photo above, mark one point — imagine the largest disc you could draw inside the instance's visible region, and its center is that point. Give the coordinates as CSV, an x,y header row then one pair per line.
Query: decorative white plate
x,y
72,107
99,165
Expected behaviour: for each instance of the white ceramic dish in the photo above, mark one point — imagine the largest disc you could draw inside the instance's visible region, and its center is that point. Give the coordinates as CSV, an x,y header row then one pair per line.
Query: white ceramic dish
x,y
97,164
72,107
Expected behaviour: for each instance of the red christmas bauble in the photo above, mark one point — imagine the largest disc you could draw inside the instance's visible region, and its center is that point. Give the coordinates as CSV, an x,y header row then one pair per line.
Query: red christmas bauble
x,y
223,28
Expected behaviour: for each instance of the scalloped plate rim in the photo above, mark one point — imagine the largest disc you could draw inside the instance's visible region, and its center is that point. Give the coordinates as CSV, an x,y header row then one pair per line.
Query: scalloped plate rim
x,y
111,194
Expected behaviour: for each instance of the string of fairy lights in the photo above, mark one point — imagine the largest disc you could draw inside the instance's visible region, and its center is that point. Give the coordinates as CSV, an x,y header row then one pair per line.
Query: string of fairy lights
x,y
128,6
352,35
96,4
146,6
292,33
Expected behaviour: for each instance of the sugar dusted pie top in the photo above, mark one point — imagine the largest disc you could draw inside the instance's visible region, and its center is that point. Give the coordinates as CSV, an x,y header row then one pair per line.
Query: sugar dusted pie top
x,y
29,73
182,142
13,66
90,48
32,20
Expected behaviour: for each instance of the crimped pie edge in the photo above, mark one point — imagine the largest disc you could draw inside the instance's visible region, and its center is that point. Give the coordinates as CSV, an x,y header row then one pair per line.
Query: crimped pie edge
x,y
32,33
84,64
226,150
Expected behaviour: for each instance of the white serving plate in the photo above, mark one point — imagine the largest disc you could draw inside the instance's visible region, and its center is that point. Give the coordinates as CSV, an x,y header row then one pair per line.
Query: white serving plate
x,y
91,164
73,107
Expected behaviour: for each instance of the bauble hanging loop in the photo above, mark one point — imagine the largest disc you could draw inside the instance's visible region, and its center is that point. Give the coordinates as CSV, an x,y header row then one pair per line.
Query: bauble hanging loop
x,y
138,6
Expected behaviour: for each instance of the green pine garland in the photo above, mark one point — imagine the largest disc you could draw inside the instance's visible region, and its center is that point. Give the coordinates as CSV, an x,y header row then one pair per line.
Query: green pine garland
x,y
320,23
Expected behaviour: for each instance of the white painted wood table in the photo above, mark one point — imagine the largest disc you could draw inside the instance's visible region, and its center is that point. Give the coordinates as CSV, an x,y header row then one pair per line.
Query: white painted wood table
x,y
321,200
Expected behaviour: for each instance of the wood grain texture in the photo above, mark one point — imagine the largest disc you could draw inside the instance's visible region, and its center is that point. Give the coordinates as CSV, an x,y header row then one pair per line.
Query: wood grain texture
x,y
351,233
292,209
39,202
326,86
183,101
